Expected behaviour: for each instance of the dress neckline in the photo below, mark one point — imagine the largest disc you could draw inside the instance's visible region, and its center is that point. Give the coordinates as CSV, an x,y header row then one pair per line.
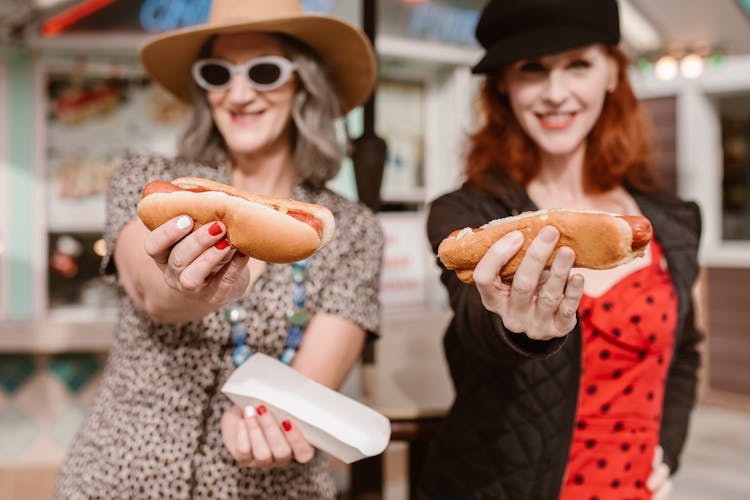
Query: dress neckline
x,y
656,255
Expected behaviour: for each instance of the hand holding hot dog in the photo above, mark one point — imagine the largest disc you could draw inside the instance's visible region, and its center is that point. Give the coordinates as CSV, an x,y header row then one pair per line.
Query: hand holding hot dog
x,y
198,264
521,264
539,303
279,230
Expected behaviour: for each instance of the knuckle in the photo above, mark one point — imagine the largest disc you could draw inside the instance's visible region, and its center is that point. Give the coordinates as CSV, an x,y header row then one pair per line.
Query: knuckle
x,y
523,286
176,261
187,284
548,300
566,310
514,325
537,254
150,248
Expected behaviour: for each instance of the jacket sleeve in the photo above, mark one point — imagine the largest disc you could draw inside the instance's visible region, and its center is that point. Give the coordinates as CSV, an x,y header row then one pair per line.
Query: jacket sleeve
x,y
479,330
680,390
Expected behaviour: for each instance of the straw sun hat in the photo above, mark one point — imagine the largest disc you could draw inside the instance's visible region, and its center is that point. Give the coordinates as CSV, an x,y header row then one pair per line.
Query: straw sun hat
x,y
345,50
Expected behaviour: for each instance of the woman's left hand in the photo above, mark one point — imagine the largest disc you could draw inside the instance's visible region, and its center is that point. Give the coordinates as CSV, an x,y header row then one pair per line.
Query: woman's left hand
x,y
255,439
659,482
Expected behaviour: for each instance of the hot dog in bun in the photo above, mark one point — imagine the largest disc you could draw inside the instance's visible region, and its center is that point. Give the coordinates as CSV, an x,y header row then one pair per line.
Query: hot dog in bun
x,y
600,240
278,230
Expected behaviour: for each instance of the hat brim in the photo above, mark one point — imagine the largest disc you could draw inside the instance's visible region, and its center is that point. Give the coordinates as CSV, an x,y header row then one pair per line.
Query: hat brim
x,y
346,52
537,43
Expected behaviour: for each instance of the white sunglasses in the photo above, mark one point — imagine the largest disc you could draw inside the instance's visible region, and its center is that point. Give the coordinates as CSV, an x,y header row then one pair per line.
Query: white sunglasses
x,y
263,73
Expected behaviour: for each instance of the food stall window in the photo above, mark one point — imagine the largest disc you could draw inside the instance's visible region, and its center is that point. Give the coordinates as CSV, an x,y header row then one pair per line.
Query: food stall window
x,y
94,121
735,125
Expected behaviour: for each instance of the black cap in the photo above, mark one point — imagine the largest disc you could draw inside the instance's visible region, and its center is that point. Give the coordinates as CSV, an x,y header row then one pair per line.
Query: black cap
x,y
510,30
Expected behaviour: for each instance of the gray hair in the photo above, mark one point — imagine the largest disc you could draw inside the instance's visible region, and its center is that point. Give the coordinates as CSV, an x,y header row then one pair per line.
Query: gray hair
x,y
317,153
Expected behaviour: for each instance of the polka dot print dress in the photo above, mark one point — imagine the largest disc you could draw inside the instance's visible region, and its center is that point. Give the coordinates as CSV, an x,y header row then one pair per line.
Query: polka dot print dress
x,y
627,347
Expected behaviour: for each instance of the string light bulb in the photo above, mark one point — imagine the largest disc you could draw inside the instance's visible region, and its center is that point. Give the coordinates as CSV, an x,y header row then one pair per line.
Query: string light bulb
x,y
691,66
666,68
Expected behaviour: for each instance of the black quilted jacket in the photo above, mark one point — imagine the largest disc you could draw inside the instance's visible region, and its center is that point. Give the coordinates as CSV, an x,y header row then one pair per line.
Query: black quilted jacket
x,y
508,433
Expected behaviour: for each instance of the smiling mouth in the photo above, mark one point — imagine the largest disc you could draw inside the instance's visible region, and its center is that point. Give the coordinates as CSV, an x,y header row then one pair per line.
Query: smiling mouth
x,y
245,118
556,121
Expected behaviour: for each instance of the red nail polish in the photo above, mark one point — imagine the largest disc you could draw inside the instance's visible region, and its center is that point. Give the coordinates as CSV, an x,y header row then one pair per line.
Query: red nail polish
x,y
287,425
261,410
221,245
215,229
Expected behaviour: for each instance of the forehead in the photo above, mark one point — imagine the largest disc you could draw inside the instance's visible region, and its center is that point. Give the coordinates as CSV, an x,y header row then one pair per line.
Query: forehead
x,y
589,51
242,46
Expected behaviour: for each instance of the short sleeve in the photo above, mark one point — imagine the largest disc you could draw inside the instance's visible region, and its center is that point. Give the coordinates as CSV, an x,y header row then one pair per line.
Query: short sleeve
x,y
123,194
356,260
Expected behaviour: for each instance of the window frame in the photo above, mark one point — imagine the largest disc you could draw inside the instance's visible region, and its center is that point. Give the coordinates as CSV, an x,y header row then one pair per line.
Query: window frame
x,y
699,148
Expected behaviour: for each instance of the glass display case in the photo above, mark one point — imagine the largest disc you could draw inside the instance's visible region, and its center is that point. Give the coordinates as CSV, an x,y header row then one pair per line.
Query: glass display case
x,y
93,121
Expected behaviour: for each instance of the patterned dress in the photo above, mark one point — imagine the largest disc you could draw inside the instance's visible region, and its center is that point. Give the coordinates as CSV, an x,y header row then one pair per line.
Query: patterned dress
x,y
154,428
627,346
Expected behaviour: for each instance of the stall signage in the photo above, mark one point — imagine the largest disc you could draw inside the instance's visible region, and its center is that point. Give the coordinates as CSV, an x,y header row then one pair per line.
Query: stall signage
x,y
164,15
444,23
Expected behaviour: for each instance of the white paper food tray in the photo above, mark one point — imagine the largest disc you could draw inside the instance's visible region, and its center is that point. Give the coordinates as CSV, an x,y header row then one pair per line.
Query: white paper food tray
x,y
330,421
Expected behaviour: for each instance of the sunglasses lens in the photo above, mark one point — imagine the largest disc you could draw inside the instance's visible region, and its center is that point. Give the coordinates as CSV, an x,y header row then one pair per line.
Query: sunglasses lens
x,y
266,73
215,74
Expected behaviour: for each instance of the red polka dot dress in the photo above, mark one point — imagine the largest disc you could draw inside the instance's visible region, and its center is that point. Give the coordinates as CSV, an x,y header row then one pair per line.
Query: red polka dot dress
x,y
627,346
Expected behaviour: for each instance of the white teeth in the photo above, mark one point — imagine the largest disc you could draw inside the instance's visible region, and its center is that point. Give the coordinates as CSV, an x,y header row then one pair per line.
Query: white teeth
x,y
557,118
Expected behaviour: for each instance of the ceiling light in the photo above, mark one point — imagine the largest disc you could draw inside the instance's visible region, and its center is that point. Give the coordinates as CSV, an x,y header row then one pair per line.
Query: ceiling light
x,y
691,66
666,68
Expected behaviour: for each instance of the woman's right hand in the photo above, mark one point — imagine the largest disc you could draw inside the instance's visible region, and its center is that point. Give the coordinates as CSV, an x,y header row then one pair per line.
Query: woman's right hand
x,y
540,303
200,265
256,440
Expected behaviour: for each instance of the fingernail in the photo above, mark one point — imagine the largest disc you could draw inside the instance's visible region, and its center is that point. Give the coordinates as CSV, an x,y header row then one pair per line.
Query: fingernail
x,y
287,425
249,411
215,229
515,236
548,234
184,222
222,245
261,410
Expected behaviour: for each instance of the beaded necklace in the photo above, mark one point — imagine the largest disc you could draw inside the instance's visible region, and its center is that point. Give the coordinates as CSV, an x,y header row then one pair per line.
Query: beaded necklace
x,y
297,320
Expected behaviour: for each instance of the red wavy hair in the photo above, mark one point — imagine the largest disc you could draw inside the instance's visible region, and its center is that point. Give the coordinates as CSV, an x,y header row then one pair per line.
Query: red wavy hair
x,y
618,148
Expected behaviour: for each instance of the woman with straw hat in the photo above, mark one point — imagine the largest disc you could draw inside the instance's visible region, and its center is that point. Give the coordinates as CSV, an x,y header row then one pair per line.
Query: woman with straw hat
x,y
266,83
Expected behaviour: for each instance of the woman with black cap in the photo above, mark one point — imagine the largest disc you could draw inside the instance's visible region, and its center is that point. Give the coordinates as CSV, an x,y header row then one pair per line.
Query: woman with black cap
x,y
570,383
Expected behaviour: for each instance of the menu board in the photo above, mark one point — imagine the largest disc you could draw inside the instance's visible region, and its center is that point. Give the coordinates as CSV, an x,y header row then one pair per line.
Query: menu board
x,y
92,124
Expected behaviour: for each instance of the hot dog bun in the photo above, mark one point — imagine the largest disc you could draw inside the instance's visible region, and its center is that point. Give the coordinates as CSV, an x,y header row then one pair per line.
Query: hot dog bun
x,y
600,240
278,230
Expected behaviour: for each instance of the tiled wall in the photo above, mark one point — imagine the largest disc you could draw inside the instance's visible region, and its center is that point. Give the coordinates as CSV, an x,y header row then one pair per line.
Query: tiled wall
x,y
43,400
